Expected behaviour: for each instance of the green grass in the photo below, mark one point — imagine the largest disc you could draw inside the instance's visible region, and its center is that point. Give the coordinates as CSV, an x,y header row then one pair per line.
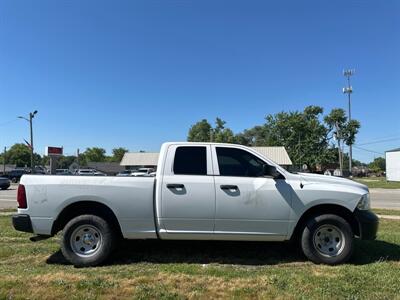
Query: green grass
x,y
391,212
378,182
8,210
182,270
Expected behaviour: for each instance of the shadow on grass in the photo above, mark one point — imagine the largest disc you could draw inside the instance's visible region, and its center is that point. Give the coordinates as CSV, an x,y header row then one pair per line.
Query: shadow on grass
x,y
366,252
236,253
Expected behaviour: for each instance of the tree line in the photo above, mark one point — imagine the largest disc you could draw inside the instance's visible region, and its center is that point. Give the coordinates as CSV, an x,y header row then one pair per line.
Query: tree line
x,y
20,155
309,136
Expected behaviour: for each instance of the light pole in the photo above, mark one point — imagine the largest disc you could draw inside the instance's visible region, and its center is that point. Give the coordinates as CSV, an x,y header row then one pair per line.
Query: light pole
x,y
4,161
349,90
31,116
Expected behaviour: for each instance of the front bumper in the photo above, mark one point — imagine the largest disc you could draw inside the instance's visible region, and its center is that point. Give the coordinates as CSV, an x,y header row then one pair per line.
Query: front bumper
x,y
368,223
22,223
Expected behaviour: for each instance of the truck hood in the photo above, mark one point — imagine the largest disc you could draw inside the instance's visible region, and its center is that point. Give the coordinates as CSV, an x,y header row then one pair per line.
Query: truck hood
x,y
308,178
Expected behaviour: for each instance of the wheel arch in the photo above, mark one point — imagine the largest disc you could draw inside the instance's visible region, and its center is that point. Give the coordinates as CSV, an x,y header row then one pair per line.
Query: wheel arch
x,y
321,209
82,208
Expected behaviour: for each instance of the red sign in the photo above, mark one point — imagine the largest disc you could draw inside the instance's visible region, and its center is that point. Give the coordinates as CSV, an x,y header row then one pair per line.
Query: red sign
x,y
54,151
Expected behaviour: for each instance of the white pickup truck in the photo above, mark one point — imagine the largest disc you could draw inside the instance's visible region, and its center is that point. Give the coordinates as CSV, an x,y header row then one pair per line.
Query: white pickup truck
x,y
202,191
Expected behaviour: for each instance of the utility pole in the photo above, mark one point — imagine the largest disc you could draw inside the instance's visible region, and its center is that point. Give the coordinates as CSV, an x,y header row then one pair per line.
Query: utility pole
x,y
77,158
31,116
4,161
338,137
349,90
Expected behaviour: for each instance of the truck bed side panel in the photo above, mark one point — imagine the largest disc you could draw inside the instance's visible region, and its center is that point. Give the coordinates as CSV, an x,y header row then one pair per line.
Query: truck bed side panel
x,y
130,198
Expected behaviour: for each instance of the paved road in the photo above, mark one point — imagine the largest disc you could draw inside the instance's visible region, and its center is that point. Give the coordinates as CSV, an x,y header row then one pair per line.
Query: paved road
x,y
380,198
385,198
8,198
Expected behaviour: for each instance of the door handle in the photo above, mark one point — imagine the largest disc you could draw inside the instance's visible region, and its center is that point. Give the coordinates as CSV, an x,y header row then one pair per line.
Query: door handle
x,y
175,186
229,187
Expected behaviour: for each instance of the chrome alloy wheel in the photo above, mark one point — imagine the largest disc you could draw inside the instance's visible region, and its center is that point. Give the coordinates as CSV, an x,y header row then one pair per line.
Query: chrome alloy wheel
x,y
329,240
86,240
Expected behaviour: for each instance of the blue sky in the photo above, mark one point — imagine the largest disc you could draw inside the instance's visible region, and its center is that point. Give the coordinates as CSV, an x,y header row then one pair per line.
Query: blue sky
x,y
139,73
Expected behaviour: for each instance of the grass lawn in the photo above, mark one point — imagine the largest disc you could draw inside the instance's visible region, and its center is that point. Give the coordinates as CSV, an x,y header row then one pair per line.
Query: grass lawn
x,y
391,212
378,182
169,270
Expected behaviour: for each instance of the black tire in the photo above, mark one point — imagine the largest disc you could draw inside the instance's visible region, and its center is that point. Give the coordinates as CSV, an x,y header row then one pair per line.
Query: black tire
x,y
14,180
327,239
102,245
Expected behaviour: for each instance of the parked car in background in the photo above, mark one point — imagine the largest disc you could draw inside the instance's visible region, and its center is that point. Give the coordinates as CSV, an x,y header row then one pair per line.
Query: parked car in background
x,y
89,172
124,173
15,175
63,172
4,183
142,172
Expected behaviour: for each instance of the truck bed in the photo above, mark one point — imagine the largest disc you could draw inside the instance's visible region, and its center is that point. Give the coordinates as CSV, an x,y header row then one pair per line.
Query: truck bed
x,y
130,199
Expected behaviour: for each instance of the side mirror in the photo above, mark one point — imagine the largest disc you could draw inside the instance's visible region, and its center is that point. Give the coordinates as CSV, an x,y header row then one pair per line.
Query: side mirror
x,y
271,171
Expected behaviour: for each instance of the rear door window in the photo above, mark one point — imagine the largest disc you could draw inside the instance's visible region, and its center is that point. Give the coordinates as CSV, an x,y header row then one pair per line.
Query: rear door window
x,y
190,160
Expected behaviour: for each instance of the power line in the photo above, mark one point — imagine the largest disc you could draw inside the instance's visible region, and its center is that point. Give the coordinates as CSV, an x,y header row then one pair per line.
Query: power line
x,y
368,150
379,141
394,135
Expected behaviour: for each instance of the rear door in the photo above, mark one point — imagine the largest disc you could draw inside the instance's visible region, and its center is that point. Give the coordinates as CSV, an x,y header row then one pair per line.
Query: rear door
x,y
187,191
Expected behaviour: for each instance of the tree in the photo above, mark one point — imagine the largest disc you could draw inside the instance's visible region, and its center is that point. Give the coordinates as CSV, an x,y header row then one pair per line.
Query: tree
x,y
221,134
64,162
45,160
357,163
343,130
94,154
256,136
378,165
82,160
20,155
118,153
341,127
200,132
302,134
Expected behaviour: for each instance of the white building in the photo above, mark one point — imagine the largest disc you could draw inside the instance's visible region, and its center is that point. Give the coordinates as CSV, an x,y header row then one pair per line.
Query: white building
x,y
277,154
393,165
133,160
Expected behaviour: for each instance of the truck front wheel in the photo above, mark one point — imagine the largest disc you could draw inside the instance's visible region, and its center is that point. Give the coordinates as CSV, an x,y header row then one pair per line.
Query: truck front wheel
x,y
327,239
87,240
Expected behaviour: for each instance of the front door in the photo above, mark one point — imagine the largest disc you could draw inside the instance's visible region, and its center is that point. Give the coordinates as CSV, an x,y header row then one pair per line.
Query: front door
x,y
248,204
187,192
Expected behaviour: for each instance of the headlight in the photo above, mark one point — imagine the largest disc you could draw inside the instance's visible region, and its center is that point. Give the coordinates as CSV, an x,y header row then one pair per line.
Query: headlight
x,y
364,203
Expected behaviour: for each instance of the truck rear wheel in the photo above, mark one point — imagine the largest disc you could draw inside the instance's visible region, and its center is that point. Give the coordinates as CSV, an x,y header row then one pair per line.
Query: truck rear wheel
x,y
327,239
87,240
